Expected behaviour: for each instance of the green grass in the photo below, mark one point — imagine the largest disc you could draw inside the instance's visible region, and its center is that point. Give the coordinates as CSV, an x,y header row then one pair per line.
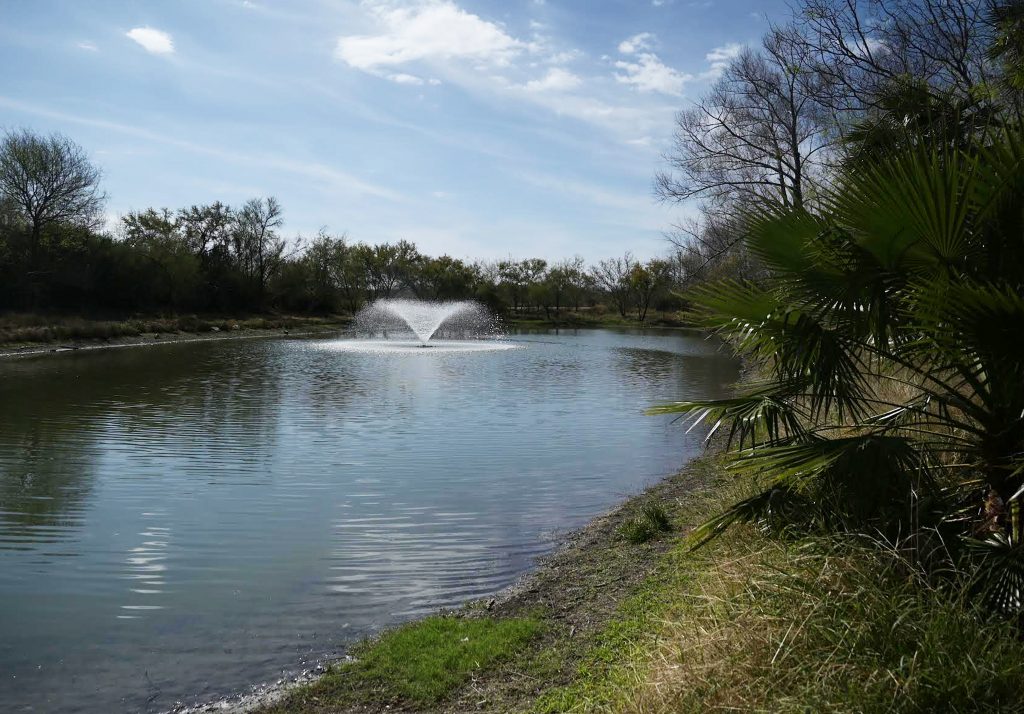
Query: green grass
x,y
652,521
607,667
418,664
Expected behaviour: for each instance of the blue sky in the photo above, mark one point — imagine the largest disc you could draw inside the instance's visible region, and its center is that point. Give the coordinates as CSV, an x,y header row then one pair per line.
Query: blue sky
x,y
481,129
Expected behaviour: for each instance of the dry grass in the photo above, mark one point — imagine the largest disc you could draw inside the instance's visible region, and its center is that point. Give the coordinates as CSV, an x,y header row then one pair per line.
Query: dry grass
x,y
751,622
820,626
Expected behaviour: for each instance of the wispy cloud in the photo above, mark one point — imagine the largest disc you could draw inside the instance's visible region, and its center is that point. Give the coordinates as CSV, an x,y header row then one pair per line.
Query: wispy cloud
x,y
87,46
403,78
556,80
152,40
328,177
636,43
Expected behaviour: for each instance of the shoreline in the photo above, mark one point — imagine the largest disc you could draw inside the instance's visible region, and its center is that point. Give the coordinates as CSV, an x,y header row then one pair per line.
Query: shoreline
x,y
30,349
303,329
591,563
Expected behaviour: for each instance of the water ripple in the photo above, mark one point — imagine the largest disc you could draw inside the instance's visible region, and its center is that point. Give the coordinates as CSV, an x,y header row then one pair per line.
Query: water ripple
x,y
179,521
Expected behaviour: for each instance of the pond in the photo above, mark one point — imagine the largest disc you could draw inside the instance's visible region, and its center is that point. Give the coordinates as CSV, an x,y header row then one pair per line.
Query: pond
x,y
179,521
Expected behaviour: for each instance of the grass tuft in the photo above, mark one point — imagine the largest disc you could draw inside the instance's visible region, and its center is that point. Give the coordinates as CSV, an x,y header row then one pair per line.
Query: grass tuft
x,y
652,520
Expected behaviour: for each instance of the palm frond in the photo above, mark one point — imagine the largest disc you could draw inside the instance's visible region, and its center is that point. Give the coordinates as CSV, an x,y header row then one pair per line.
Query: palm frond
x,y
766,413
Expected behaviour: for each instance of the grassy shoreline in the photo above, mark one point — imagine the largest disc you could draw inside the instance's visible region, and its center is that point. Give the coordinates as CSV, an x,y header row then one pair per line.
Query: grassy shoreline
x,y
745,623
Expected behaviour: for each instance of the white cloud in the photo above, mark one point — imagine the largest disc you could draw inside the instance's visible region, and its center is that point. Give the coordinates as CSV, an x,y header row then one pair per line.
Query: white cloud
x,y
556,80
87,46
431,31
636,43
650,74
719,59
644,141
564,57
152,40
403,78
645,71
439,40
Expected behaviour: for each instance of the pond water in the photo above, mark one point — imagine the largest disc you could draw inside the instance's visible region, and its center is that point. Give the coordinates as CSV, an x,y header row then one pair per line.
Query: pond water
x,y
179,521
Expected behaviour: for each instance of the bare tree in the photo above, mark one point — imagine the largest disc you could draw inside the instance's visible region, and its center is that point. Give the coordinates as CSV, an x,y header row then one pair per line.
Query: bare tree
x,y
50,180
860,47
758,137
612,276
257,243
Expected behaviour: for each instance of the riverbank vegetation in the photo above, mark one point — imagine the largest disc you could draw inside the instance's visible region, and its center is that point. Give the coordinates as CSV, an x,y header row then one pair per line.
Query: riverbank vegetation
x,y
891,401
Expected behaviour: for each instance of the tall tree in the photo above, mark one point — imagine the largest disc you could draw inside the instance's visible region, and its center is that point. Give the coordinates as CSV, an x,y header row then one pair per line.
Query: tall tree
x,y
757,138
51,180
612,277
257,242
860,47
647,281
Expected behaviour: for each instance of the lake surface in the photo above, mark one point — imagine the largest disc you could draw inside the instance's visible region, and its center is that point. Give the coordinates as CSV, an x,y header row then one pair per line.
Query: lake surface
x,y
180,521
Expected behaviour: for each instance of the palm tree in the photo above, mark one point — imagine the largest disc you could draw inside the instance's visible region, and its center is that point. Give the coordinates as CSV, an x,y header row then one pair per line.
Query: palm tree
x,y
891,343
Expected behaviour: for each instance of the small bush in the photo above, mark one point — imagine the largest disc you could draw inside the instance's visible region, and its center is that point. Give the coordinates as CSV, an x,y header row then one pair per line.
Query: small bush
x,y
191,323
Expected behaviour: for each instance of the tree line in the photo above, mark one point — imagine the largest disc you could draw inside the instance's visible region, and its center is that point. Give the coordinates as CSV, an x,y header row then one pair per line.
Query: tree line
x,y
56,254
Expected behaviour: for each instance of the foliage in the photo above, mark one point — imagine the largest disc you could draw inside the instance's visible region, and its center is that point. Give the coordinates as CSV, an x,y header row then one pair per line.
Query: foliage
x,y
820,623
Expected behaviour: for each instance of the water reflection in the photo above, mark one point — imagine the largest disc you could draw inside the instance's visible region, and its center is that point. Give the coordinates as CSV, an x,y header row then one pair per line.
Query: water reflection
x,y
236,508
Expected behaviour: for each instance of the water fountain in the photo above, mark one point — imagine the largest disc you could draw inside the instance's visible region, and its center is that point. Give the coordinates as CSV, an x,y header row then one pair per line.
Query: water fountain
x,y
424,318
449,326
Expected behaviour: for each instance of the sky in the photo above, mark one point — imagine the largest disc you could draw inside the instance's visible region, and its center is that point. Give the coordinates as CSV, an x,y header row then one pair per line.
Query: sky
x,y
481,129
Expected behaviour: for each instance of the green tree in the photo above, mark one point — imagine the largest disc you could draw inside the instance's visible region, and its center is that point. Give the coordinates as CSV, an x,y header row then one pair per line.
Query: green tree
x,y
156,237
51,181
647,281
445,278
